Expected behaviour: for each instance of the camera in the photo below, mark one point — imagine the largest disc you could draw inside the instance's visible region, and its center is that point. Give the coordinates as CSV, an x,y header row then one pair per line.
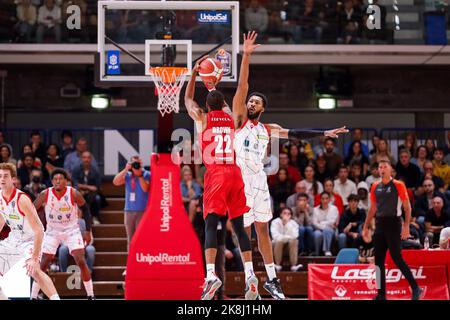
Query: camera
x,y
136,165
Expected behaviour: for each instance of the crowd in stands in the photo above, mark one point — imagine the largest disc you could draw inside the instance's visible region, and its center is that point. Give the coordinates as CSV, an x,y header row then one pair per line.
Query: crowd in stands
x,y
321,195
276,21
35,162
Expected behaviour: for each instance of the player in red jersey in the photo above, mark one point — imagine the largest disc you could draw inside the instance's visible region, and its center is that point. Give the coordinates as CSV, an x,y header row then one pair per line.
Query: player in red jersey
x,y
224,187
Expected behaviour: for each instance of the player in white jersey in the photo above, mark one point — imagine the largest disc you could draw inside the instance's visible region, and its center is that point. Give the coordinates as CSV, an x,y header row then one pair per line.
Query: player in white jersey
x,y
61,204
250,145
24,242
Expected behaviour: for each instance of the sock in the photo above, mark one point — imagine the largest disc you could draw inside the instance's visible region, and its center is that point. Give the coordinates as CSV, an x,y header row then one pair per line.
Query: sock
x,y
270,269
55,297
210,270
35,290
2,295
89,288
248,267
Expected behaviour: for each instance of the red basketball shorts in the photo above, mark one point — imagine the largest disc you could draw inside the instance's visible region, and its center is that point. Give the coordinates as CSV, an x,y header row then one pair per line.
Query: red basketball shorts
x,y
224,192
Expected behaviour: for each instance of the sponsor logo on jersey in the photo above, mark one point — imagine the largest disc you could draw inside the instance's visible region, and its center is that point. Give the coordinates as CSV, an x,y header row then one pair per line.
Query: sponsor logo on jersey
x,y
164,259
263,137
220,17
219,119
65,209
59,217
68,216
246,143
14,216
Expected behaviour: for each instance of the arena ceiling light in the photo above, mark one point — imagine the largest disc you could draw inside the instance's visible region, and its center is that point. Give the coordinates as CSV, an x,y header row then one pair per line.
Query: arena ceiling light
x,y
326,103
100,101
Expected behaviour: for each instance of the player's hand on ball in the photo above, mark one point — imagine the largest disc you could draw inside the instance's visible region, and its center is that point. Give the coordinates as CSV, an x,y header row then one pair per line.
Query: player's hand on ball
x,y
249,42
197,64
333,133
32,265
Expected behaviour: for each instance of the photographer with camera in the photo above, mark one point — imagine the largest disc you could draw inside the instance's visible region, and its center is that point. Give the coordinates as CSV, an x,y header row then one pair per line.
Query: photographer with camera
x,y
137,185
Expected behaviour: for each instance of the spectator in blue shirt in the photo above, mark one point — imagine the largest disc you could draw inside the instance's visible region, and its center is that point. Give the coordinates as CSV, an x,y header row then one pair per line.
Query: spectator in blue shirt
x,y
357,136
87,179
137,184
191,192
73,159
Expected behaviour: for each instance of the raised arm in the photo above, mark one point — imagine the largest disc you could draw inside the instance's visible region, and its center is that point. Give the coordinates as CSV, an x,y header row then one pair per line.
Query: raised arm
x,y
239,108
299,133
119,179
193,109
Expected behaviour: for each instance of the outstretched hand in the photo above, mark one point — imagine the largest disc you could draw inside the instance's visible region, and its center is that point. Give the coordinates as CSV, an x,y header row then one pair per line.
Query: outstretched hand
x,y
249,42
333,133
197,64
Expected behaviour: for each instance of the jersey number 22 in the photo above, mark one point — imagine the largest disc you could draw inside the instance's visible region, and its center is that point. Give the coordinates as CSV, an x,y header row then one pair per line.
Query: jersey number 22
x,y
221,140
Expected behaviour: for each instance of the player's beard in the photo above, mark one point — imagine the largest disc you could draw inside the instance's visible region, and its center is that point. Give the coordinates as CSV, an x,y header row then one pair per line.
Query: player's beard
x,y
254,115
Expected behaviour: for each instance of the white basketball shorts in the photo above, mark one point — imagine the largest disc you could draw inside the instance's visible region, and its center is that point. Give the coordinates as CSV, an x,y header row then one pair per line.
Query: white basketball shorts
x,y
53,238
258,199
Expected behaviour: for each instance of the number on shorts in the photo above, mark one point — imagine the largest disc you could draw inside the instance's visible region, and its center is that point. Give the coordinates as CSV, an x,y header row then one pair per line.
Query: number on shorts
x,y
220,140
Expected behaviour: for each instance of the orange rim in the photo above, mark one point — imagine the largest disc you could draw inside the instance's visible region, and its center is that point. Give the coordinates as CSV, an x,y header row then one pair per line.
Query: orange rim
x,y
168,74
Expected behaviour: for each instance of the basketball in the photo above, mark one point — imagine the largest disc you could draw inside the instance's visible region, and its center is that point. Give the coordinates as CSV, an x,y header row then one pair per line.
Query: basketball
x,y
211,71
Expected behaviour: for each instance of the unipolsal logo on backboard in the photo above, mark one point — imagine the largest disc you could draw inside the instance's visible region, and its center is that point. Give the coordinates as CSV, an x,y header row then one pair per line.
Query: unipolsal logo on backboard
x,y
213,17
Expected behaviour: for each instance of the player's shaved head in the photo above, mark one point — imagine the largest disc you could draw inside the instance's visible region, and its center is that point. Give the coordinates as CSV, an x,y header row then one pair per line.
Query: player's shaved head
x,y
215,100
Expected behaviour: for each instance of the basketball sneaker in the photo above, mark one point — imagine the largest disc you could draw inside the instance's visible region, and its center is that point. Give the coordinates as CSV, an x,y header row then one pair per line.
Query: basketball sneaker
x,y
274,288
210,287
251,288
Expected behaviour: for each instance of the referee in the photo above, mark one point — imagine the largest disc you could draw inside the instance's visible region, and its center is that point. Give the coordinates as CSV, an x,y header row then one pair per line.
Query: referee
x,y
386,199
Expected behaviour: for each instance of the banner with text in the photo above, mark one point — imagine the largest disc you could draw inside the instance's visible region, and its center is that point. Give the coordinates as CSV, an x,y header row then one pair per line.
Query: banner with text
x,y
357,282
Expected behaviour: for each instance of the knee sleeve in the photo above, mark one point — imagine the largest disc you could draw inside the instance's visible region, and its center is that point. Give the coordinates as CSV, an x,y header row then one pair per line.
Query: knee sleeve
x,y
211,222
239,230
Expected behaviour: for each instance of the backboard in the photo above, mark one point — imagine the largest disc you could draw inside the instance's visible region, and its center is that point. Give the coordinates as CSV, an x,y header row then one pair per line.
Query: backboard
x,y
136,35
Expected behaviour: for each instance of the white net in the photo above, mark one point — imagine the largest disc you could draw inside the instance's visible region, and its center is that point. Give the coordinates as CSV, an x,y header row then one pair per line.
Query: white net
x,y
168,82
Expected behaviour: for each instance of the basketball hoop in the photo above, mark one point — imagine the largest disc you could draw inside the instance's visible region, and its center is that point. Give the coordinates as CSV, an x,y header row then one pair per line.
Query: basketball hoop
x,y
168,82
